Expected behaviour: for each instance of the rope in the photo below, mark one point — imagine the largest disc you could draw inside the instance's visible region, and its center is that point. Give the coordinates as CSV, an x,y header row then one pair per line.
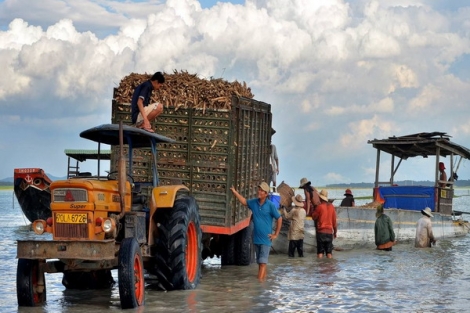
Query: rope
x,y
463,223
13,205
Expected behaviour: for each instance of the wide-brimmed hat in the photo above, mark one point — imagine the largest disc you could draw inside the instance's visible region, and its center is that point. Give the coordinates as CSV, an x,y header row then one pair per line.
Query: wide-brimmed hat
x,y
348,192
264,186
304,181
427,211
324,195
298,200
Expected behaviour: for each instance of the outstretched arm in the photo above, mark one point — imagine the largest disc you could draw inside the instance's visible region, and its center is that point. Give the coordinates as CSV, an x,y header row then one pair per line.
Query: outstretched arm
x,y
238,196
287,215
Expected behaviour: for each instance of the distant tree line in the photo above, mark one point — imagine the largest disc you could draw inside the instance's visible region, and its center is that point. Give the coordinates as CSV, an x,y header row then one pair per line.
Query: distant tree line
x,y
458,183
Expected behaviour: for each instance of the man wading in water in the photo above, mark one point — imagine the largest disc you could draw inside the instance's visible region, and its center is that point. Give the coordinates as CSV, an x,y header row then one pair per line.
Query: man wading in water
x,y
263,213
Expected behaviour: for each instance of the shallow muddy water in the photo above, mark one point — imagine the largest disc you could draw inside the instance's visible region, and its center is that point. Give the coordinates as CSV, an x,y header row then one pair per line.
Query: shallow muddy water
x,y
361,280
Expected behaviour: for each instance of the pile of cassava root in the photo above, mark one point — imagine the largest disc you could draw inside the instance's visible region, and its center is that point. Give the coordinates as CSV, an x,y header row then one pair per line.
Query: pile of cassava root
x,y
185,90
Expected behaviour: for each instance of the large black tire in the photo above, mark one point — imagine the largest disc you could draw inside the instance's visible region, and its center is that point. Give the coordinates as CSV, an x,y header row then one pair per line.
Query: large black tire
x,y
179,246
228,250
100,279
131,274
30,287
244,245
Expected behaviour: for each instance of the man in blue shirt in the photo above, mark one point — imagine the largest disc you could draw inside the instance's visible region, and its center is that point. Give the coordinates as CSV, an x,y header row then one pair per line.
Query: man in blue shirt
x,y
263,212
142,112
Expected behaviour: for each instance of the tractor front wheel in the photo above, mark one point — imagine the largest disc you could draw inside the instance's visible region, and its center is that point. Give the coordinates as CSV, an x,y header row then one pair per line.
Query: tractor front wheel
x,y
30,283
131,274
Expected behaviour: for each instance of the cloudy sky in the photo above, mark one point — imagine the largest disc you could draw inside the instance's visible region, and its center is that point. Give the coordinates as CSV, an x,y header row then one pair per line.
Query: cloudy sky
x,y
337,73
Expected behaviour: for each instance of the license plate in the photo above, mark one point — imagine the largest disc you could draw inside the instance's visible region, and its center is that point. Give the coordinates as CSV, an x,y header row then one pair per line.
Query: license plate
x,y
70,218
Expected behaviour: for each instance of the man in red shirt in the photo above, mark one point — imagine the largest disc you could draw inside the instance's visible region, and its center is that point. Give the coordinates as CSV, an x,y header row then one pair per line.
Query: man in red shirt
x,y
325,217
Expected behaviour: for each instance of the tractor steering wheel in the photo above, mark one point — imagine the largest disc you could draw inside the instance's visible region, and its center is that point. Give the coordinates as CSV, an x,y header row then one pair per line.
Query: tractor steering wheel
x,y
113,176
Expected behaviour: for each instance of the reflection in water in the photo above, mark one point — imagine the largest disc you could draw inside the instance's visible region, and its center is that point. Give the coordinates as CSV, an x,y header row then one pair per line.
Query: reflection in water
x,y
191,301
361,280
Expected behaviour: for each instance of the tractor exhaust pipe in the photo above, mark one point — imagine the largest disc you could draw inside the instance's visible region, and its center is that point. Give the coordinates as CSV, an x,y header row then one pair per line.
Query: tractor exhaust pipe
x,y
122,172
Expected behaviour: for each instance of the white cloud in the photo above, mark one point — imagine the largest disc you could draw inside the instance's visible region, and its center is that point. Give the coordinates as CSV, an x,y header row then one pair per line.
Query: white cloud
x,y
405,77
384,106
426,98
376,44
337,73
360,131
312,104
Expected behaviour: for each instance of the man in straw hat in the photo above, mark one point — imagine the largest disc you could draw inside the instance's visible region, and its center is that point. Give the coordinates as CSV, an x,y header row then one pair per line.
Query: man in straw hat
x,y
296,216
311,195
263,212
424,236
384,234
325,217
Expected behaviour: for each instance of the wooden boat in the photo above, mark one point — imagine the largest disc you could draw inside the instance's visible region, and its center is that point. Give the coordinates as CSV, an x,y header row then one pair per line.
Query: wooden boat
x,y
403,204
31,185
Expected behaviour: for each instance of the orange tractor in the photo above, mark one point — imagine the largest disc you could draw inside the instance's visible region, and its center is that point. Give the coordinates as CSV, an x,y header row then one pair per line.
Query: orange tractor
x,y
100,223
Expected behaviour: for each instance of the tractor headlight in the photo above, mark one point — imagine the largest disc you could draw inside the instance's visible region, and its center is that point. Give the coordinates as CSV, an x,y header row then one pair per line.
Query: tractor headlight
x,y
108,225
39,226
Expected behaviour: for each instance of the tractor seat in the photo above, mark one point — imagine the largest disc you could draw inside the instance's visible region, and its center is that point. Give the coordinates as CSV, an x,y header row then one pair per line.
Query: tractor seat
x,y
139,199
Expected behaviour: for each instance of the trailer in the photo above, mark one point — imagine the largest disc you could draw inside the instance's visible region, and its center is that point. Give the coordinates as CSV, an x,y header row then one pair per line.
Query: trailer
x,y
214,149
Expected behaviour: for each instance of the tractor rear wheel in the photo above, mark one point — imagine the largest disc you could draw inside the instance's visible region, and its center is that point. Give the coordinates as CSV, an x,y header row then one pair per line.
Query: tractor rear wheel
x,y
179,246
131,274
30,283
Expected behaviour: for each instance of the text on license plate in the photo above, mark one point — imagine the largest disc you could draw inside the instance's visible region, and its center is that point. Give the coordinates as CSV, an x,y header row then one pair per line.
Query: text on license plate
x,y
71,218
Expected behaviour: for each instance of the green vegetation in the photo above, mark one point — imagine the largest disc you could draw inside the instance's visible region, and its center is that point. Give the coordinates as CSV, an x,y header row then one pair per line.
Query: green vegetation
x,y
363,198
458,183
